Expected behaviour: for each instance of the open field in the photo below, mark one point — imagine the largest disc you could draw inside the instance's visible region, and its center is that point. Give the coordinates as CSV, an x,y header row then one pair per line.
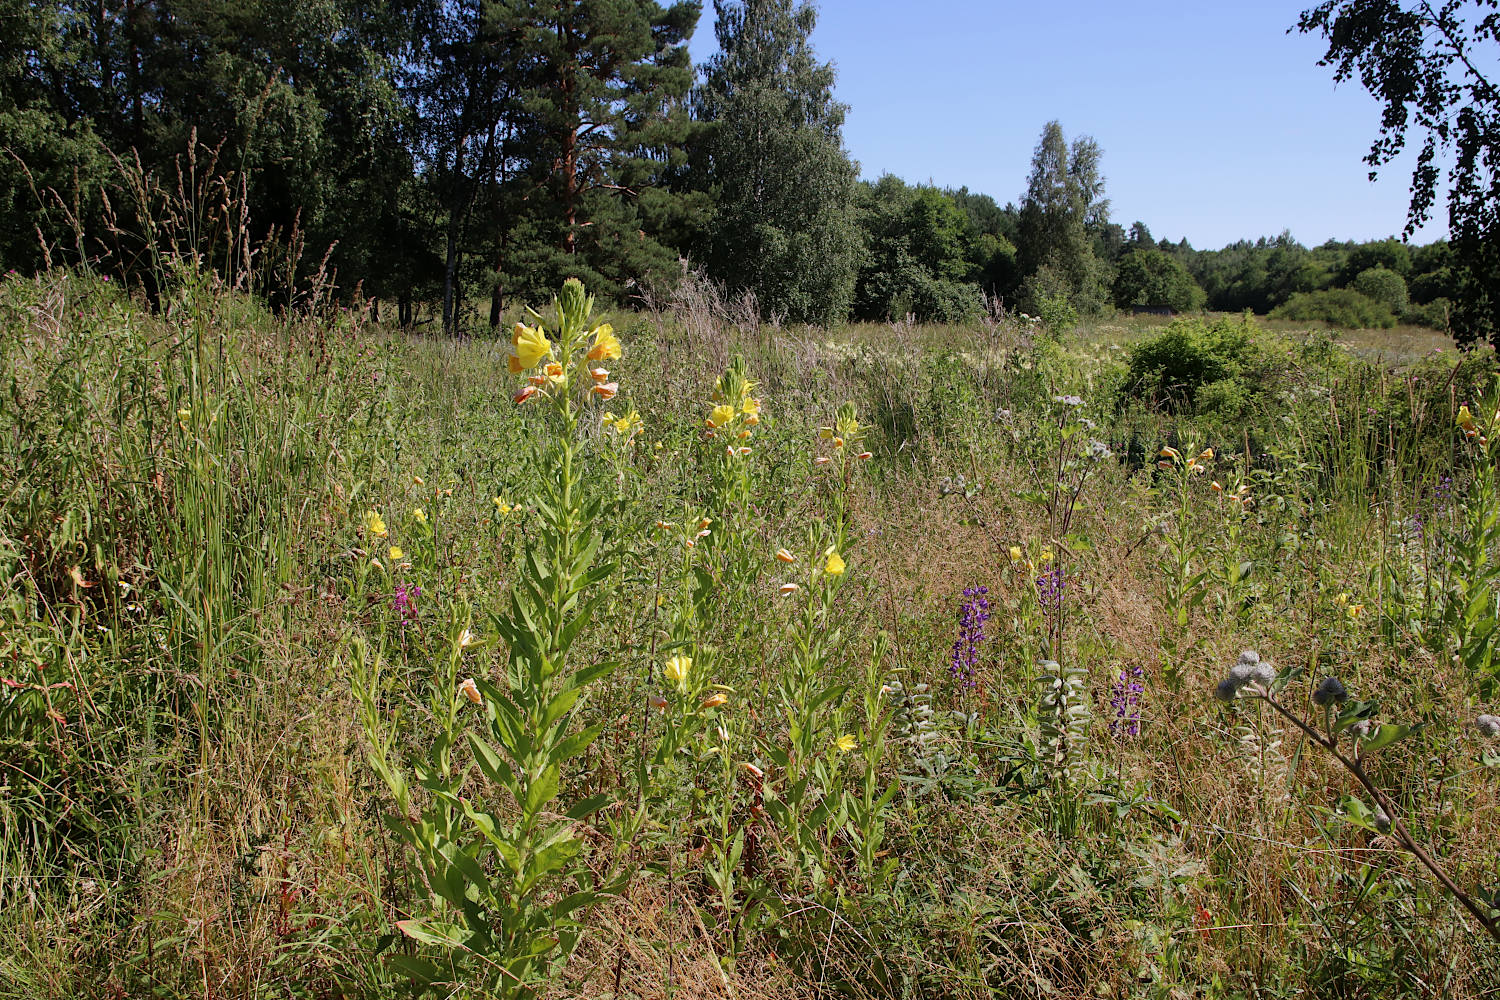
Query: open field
x,y
328,669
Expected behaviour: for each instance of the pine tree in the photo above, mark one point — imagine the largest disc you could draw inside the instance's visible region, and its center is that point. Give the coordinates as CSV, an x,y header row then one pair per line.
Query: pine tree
x,y
605,113
785,225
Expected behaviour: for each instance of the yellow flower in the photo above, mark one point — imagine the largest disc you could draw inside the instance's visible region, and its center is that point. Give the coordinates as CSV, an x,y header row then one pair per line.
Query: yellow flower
x,y
530,346
1355,610
722,414
835,564
419,515
1015,553
375,524
606,344
845,743
750,406
502,506
396,554
826,433
715,700
183,416
1342,599
678,668
1046,555
1465,419
554,371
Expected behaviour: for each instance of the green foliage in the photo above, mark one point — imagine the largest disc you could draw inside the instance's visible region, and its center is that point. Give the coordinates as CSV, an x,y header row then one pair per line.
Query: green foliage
x,y
1064,205
918,257
784,222
1339,307
1173,369
1149,277
1427,66
1381,285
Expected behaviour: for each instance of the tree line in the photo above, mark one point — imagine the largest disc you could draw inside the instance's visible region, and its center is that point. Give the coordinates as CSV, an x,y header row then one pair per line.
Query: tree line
x,y
470,153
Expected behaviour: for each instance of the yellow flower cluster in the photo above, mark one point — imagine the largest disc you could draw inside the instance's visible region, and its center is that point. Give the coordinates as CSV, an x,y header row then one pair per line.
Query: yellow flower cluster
x,y
734,403
533,351
1470,427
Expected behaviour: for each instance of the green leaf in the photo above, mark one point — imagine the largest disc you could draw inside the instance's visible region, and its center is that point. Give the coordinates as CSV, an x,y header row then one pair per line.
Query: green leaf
x,y
1384,735
588,806
542,790
425,930
574,745
495,767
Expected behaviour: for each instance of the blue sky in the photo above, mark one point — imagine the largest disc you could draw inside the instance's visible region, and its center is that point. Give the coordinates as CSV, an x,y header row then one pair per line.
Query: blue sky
x,y
1215,123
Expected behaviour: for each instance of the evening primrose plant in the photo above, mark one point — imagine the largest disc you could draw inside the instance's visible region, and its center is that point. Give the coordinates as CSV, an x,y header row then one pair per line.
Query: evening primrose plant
x,y
501,860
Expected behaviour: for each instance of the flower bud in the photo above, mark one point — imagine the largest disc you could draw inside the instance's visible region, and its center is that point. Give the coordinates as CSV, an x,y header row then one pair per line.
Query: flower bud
x,y
1330,691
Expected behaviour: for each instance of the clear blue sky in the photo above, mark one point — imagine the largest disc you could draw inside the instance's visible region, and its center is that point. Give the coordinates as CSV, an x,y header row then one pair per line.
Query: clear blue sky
x,y
1215,123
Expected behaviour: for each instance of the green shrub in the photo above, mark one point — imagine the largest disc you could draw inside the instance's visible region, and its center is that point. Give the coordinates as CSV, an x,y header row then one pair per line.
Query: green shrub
x,y
1381,284
1433,315
1340,307
1170,369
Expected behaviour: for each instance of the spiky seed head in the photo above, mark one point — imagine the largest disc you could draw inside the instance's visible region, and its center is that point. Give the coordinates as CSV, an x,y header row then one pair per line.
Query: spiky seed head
x,y
1330,691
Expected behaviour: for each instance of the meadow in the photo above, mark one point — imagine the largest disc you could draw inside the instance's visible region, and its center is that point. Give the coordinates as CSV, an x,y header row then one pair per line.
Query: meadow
x,y
666,653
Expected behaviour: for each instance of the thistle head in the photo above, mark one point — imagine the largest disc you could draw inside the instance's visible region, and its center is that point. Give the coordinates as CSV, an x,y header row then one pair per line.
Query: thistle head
x,y
1488,725
1330,691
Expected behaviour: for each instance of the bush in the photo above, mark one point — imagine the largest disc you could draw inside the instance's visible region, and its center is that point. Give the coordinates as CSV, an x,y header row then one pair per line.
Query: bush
x,y
1383,285
1433,315
1173,369
1340,307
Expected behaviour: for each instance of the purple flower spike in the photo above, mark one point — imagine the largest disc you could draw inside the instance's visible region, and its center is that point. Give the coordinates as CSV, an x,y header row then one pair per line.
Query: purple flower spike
x,y
972,614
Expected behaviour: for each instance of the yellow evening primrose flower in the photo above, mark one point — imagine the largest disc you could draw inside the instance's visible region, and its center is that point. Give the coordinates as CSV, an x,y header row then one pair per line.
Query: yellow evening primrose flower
x,y
1015,553
419,515
396,554
678,668
606,344
1342,599
375,524
835,565
1046,555
1355,610
1466,419
845,743
530,346
502,506
722,414
183,416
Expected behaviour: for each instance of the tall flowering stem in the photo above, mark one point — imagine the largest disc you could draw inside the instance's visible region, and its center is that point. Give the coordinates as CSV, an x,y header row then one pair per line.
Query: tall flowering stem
x,y
972,614
500,859
1125,702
